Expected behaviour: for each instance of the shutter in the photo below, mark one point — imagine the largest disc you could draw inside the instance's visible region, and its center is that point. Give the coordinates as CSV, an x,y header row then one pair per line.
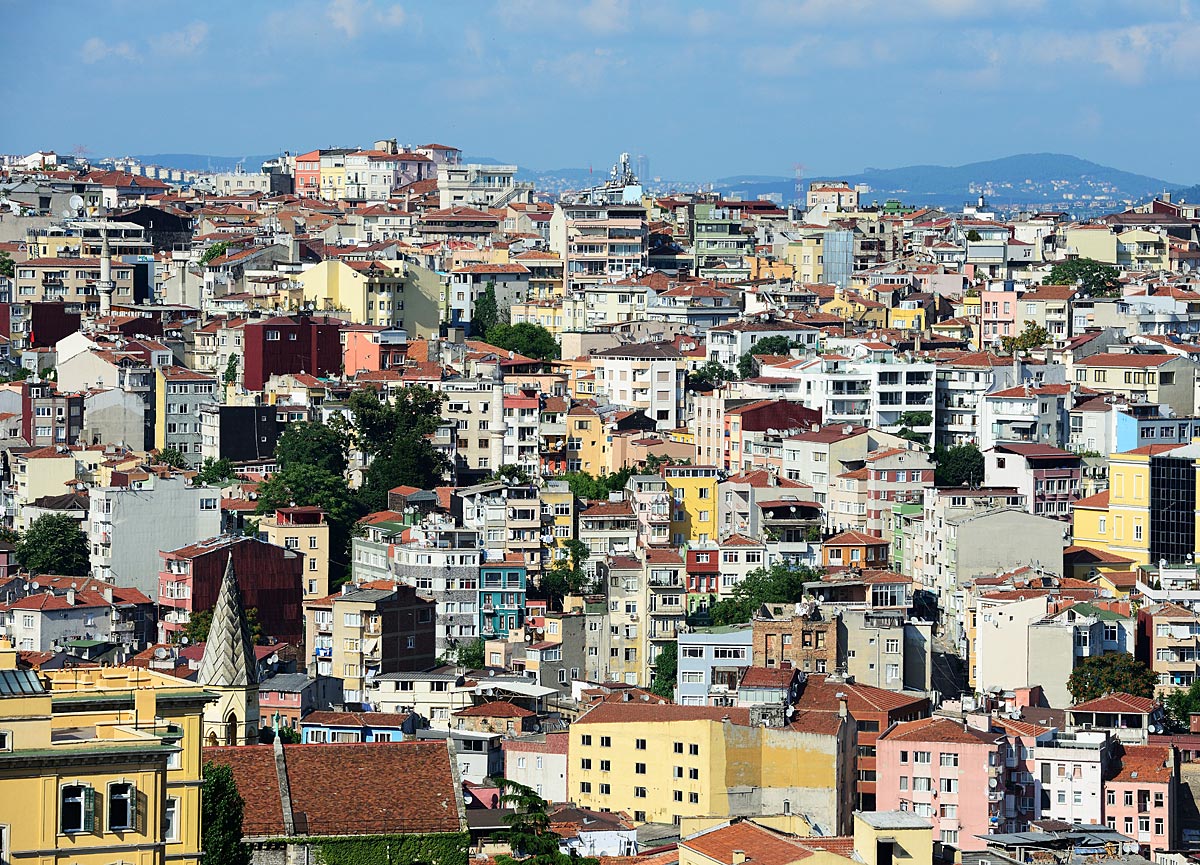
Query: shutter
x,y
133,808
89,809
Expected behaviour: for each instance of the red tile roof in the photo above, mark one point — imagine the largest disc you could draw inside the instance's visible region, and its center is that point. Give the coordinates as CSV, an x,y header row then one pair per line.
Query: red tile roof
x,y
1117,702
1146,764
761,846
938,730
820,695
355,719
1098,500
854,539
767,677
618,713
347,789
1127,360
494,709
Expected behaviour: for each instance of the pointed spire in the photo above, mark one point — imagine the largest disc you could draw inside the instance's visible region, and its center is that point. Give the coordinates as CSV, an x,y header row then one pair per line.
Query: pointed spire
x,y
229,653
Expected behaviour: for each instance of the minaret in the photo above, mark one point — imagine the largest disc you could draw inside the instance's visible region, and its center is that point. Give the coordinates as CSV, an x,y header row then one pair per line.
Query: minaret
x,y
228,669
105,286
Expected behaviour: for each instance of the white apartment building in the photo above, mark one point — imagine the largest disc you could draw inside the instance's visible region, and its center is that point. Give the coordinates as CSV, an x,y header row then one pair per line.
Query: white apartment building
x,y
726,343
600,242
648,376
476,185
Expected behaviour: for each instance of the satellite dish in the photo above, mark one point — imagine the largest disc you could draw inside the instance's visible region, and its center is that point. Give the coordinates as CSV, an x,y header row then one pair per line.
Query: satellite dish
x,y
68,213
183,641
35,585
75,203
160,653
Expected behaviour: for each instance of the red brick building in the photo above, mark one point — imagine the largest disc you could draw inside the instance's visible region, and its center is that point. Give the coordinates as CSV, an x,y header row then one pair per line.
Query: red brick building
x,y
291,344
269,577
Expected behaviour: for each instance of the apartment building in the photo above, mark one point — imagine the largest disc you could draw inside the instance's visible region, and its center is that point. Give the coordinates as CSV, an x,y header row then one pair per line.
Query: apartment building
x,y
363,632
665,763
710,663
599,242
1048,478
647,377
726,343
127,526
947,772
618,642
1163,379
508,518
608,528
73,281
1168,642
443,562
178,395
664,602
304,529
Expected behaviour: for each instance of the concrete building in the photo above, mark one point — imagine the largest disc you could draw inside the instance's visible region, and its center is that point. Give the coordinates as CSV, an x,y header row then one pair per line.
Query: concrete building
x,y
1047,477
710,661
665,763
306,530
179,394
127,527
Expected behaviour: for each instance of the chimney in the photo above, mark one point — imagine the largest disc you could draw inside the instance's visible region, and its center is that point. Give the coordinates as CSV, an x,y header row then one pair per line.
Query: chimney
x,y
108,595
71,596
843,710
739,857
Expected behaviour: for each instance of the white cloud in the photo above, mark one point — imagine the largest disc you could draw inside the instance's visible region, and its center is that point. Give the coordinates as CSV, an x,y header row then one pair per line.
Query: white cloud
x,y
96,49
605,16
185,41
351,16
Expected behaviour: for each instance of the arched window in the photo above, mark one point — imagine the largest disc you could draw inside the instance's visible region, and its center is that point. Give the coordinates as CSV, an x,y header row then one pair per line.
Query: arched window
x,y
231,729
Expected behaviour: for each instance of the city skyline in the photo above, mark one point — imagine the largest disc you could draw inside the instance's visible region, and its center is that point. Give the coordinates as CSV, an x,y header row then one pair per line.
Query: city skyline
x,y
834,86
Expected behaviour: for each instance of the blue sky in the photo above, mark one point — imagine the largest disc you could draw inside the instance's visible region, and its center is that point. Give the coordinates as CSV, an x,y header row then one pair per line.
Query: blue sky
x,y
704,90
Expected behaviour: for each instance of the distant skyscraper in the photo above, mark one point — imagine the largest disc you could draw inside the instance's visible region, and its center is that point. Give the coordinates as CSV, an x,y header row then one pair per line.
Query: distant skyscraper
x,y
642,167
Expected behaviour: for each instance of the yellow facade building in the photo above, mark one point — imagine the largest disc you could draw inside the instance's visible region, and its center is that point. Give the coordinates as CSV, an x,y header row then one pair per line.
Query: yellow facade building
x,y
664,763
393,294
694,508
99,765
1127,525
304,529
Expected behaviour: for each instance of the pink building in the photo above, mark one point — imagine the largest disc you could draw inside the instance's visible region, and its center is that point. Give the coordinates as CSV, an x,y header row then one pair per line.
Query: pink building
x,y
371,348
998,315
308,174
1141,798
947,772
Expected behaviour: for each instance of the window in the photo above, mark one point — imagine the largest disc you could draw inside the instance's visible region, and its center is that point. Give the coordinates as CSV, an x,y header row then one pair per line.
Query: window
x,y
949,836
585,786
694,798
605,765
949,811
1112,797
585,740
77,808
122,807
639,768
171,820
5,740
639,793
693,774
694,750
903,756
1128,798
678,795
949,785
922,785
678,747
949,759
208,504
272,336
640,744
892,647
920,756
605,741
605,789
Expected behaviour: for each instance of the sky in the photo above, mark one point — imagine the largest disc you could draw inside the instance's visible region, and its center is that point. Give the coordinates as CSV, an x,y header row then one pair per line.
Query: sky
x,y
703,90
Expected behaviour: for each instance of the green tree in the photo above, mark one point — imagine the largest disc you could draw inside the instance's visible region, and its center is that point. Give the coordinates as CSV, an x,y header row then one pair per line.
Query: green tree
x,y
1031,337
471,655
511,474
773,345
215,472
1181,705
486,314
54,544
310,443
172,457
957,465
288,736
711,374
221,810
666,669
7,266
395,434
527,338
200,621
747,366
782,583
974,236
1093,277
529,835
307,485
910,419
1112,672
214,252
566,576
231,369
586,486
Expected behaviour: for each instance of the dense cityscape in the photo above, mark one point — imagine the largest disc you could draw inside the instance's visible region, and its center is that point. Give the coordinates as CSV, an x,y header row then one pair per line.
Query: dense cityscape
x,y
381,503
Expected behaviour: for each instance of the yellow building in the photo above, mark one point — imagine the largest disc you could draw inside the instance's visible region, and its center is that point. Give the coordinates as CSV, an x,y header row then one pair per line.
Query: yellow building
x,y
559,504
382,293
664,763
38,472
306,530
694,508
855,307
547,312
99,765
587,446
806,256
906,319
765,267
1127,524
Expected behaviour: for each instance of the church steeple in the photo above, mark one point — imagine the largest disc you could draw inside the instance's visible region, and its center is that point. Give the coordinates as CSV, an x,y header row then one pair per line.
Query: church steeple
x,y
228,668
229,652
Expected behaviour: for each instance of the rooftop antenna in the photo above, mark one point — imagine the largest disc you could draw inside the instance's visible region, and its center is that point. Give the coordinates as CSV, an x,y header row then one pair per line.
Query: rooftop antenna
x,y
798,170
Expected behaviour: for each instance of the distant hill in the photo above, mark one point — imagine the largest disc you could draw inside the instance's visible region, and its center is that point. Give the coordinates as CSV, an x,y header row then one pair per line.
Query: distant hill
x,y
1028,178
204,162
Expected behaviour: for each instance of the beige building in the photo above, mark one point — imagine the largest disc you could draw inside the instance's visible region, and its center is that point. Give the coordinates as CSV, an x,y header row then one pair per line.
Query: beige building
x,y
38,472
393,294
305,530
69,279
